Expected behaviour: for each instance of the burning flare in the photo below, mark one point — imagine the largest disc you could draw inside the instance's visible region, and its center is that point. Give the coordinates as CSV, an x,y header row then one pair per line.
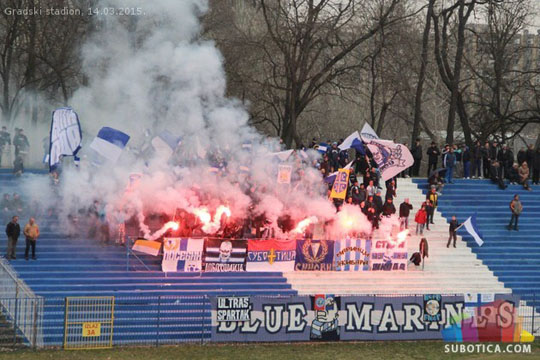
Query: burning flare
x,y
302,225
169,225
209,226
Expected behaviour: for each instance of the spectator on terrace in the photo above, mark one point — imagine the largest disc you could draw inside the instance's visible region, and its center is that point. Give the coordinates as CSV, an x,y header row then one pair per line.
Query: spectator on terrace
x,y
466,160
536,167
453,229
377,200
530,157
430,211
343,157
390,189
516,208
404,211
18,165
486,163
476,160
433,153
325,165
371,189
354,193
524,176
20,141
372,215
5,205
513,174
424,248
420,219
417,153
449,162
433,197
31,232
13,230
506,161
521,156
496,175
5,143
458,168
435,182
17,204
388,208
333,157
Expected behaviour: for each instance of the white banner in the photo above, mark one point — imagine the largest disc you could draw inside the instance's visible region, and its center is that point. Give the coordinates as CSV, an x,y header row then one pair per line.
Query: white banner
x,y
390,157
181,254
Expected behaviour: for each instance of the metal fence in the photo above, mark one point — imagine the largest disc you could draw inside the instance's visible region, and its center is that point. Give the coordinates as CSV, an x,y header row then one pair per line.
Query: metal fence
x,y
21,310
92,322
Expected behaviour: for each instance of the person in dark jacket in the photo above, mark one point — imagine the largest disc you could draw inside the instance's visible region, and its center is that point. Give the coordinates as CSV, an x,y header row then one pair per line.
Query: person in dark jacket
x,y
530,158
417,153
433,153
390,189
378,202
521,156
404,211
424,248
476,160
513,174
485,160
430,210
388,208
536,167
333,157
466,160
495,172
453,229
449,162
506,160
13,230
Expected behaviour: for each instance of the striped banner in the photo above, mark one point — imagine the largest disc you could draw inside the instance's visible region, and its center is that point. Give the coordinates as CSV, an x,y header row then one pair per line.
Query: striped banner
x,y
352,254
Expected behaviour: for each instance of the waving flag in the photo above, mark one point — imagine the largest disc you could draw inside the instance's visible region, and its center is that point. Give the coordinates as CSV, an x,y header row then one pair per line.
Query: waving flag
x,y
353,141
282,155
165,143
331,177
65,136
472,229
391,158
109,143
367,133
322,147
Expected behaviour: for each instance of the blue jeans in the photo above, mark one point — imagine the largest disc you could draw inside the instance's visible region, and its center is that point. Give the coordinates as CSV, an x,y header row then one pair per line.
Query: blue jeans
x,y
449,173
466,169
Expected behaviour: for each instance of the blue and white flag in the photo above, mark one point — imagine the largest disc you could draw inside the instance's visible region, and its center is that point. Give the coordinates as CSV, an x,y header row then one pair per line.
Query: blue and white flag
x,y
353,141
165,143
65,136
322,147
282,155
367,133
332,176
109,143
352,254
391,158
472,229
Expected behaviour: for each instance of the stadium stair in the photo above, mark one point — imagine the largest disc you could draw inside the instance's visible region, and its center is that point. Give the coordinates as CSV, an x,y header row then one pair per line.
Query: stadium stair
x,y
446,271
147,302
512,256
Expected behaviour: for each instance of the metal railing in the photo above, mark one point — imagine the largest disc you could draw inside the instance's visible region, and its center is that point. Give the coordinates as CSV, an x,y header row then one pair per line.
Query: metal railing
x,y
20,307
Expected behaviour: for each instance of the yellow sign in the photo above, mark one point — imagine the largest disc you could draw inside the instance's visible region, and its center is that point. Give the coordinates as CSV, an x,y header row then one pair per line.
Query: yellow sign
x,y
339,190
284,174
91,329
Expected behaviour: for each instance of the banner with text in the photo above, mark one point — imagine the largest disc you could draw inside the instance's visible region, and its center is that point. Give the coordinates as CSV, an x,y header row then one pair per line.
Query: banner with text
x,y
352,254
271,255
180,254
224,255
388,256
314,255
330,318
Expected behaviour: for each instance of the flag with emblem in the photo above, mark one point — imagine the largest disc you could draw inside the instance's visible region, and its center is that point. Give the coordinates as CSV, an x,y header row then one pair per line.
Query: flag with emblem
x,y
339,189
352,254
271,255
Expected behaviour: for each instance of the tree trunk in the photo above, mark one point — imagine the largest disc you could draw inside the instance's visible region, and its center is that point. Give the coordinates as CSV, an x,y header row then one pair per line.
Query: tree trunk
x,y
422,73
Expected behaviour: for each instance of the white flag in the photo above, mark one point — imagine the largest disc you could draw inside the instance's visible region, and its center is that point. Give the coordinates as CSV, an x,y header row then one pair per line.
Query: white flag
x,y
390,157
368,133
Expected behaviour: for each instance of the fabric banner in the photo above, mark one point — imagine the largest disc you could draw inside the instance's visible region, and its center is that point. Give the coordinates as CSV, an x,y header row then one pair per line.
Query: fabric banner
x,y
391,158
352,254
108,145
224,255
284,174
314,255
388,256
367,133
339,189
271,255
147,247
181,254
327,317
65,136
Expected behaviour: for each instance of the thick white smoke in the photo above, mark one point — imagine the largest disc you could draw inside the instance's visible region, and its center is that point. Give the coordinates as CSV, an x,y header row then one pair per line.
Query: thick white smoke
x,y
152,73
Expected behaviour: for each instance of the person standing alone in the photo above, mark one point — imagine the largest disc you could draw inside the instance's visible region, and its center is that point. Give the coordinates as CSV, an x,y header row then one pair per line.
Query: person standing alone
x,y
13,230
449,162
31,231
516,207
453,229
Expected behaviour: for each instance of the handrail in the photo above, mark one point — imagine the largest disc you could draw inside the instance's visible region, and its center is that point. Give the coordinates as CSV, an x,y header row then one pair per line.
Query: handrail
x,y
21,305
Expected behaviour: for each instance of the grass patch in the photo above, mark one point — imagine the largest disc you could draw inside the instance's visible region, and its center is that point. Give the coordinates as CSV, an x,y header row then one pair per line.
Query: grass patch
x,y
393,350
